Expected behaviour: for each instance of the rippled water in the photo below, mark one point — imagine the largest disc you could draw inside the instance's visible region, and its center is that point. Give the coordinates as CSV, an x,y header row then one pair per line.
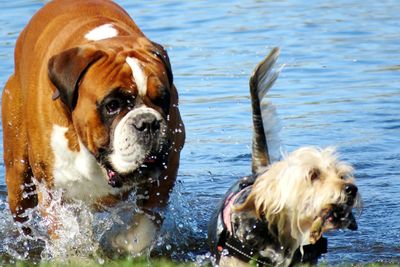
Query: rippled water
x,y
340,86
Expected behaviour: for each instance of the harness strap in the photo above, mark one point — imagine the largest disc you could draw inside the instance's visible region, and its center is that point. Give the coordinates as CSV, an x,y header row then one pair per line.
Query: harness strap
x,y
227,240
224,223
245,253
227,211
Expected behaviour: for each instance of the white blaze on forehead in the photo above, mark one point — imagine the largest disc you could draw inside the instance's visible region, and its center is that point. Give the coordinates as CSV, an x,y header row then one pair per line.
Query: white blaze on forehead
x,y
138,75
102,32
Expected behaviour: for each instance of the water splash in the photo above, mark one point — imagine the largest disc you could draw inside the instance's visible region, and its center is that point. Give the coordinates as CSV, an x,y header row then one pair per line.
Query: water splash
x,y
84,234
182,232
15,244
78,231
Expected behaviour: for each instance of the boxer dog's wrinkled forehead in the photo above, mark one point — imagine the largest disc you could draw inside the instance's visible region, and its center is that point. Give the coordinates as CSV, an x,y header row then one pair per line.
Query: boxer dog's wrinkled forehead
x,y
102,69
143,72
151,81
143,76
131,84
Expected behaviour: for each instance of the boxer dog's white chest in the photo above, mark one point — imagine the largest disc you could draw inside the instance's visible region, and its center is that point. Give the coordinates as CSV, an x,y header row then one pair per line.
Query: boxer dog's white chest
x,y
77,173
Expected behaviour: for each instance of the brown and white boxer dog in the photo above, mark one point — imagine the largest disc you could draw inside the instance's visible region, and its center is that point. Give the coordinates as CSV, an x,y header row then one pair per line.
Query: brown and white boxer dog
x,y
91,110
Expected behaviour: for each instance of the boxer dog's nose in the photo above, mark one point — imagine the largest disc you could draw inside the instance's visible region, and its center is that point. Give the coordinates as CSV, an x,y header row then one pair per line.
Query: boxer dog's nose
x,y
146,123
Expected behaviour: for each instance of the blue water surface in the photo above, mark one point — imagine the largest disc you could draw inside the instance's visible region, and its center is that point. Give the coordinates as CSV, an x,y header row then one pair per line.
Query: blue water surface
x,y
340,86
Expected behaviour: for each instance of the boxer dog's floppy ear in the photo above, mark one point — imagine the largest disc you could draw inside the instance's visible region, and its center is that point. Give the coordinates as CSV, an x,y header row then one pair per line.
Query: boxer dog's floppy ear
x,y
160,52
67,69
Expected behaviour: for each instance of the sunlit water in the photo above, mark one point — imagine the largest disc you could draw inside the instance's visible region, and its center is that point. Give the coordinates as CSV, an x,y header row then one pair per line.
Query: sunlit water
x,y
340,86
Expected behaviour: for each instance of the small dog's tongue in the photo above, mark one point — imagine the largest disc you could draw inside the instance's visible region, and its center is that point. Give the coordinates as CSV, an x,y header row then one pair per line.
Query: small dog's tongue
x,y
113,178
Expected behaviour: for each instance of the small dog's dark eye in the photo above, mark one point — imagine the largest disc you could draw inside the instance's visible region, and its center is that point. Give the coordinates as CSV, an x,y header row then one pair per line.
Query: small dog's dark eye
x,y
314,175
113,107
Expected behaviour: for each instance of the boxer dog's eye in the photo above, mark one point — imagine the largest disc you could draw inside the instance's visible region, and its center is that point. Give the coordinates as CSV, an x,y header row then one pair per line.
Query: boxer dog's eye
x,y
113,107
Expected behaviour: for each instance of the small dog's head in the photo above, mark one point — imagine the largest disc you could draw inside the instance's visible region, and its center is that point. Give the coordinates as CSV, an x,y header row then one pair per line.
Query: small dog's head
x,y
307,193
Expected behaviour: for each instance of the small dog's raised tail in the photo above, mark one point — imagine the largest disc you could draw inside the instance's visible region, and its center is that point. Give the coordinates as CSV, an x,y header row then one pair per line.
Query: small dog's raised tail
x,y
261,80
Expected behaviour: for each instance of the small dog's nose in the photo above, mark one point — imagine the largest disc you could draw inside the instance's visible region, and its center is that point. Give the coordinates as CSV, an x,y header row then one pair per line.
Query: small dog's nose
x,y
351,190
146,123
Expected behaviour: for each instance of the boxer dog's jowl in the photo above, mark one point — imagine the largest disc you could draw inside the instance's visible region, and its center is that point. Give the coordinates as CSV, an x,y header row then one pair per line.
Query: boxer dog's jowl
x,y
91,110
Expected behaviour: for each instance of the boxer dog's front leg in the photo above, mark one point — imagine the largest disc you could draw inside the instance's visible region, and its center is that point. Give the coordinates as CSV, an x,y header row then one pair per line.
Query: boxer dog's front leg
x,y
21,190
134,234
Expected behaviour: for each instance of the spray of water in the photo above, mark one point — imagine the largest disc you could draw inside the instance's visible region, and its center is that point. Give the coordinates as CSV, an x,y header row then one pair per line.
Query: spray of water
x,y
84,234
79,231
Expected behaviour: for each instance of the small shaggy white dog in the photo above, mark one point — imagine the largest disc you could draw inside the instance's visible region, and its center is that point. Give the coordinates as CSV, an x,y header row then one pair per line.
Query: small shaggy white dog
x,y
286,205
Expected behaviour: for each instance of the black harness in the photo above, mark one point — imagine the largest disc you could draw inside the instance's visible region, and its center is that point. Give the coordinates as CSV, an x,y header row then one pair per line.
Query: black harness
x,y
226,243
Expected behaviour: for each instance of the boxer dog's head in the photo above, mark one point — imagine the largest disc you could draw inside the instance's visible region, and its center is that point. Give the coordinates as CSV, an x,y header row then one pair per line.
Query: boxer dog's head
x,y
119,99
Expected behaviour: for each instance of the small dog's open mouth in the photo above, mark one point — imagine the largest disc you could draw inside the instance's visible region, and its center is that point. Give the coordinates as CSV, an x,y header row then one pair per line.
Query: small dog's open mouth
x,y
333,217
117,180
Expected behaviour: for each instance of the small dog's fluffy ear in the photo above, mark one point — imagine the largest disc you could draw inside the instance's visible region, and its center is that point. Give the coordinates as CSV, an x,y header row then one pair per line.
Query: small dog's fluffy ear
x,y
265,199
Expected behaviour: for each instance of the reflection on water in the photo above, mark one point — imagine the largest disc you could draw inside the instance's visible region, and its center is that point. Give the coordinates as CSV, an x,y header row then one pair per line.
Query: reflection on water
x,y
340,87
